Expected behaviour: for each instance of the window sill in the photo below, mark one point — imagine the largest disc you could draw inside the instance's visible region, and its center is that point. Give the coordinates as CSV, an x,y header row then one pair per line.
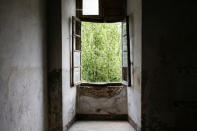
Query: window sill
x,y
100,90
102,84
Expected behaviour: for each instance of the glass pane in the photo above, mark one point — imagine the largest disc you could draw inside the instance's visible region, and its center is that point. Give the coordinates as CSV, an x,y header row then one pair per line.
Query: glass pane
x,y
124,28
77,75
77,43
74,42
124,59
125,73
90,7
124,43
77,56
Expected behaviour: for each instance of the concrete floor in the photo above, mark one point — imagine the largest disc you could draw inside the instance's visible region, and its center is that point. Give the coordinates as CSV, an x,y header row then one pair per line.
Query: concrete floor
x,y
101,126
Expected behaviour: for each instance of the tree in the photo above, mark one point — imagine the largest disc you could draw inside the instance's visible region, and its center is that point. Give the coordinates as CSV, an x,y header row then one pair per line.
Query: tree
x,y
101,52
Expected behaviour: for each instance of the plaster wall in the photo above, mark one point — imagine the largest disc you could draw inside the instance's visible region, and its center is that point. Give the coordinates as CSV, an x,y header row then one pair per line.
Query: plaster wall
x,y
68,92
102,100
54,64
134,11
169,66
23,91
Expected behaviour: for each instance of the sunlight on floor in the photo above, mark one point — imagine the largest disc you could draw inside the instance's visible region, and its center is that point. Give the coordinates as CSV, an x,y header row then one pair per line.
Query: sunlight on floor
x,y
101,126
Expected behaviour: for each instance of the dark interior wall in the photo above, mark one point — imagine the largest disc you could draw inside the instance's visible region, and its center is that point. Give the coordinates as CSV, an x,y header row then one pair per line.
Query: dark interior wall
x,y
169,66
23,90
54,64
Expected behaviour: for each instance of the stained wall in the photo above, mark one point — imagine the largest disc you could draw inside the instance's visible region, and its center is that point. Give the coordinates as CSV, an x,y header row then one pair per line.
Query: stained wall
x,y
23,89
62,96
108,100
68,92
134,11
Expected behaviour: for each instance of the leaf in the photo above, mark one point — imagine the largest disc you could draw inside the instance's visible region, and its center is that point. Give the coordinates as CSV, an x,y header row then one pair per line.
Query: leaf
x,y
101,52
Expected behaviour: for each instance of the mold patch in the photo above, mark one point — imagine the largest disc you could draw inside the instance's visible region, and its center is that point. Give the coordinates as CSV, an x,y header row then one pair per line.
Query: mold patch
x,y
108,91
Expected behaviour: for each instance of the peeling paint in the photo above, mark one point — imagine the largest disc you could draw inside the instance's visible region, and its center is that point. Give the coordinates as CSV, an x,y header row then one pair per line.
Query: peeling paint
x,y
109,91
102,100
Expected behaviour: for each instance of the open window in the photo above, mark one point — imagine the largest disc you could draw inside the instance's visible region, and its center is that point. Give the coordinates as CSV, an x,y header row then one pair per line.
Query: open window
x,y
76,52
126,61
90,7
124,53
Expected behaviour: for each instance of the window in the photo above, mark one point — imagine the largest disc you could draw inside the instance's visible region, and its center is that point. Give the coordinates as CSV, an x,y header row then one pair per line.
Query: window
x,y
102,52
126,61
90,7
79,53
76,52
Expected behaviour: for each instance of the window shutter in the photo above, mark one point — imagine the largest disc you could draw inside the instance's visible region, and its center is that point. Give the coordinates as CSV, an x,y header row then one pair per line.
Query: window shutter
x,y
126,61
76,51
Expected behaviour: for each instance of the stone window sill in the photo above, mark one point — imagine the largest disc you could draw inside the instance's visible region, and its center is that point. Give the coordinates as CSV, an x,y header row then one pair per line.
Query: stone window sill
x,y
102,84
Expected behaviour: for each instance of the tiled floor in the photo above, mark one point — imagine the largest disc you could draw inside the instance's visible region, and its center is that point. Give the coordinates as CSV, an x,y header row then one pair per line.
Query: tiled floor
x,y
101,126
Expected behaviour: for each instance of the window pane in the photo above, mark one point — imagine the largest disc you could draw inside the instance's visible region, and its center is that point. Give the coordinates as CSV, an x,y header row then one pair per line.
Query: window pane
x,y
90,7
124,28
124,44
77,56
78,43
124,60
125,73
77,76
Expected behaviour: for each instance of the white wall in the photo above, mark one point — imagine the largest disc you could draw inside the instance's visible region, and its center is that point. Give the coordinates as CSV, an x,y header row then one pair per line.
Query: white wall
x,y
22,66
134,93
68,92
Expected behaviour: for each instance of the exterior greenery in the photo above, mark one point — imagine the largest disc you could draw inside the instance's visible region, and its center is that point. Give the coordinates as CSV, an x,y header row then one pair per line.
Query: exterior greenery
x,y
101,52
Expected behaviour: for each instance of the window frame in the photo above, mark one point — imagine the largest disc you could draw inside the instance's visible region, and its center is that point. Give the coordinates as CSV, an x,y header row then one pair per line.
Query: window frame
x,y
76,47
128,73
124,82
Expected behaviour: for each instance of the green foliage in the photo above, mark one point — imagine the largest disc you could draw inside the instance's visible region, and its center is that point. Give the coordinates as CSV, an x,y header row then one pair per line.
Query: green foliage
x,y
101,52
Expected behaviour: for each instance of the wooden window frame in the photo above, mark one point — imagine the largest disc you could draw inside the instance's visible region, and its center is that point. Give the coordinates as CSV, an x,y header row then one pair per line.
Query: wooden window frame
x,y
74,36
128,68
76,47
